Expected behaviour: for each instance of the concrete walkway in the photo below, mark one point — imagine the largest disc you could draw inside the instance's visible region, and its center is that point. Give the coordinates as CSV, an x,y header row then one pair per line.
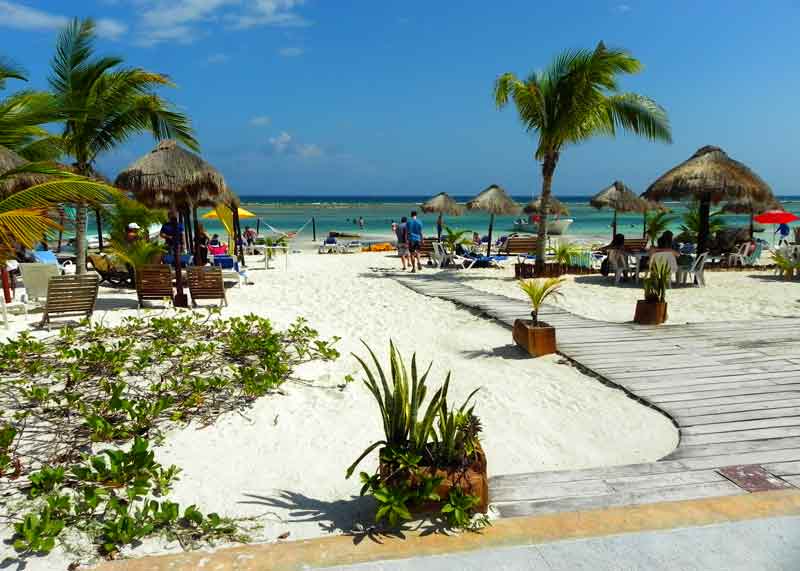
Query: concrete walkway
x,y
764,544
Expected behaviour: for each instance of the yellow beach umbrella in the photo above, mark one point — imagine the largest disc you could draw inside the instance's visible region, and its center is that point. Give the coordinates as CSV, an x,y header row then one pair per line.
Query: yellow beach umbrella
x,y
213,215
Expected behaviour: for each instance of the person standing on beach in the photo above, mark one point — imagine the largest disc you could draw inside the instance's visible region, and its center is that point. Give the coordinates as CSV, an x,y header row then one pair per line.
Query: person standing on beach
x,y
414,228
401,231
783,230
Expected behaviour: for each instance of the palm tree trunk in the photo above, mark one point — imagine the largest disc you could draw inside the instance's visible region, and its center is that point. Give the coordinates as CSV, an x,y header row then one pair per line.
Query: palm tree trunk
x,y
702,231
489,245
99,229
80,239
614,224
548,168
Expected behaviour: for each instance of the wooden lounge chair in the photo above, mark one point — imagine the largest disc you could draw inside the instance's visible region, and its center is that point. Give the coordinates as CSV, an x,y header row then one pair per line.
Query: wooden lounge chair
x,y
426,248
154,283
206,283
70,295
109,269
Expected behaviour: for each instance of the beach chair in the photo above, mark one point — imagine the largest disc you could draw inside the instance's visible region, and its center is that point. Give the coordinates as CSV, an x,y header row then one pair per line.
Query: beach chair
x,y
739,257
524,247
206,283
352,247
70,295
618,262
426,248
35,278
229,267
329,246
695,271
11,305
154,283
752,259
109,269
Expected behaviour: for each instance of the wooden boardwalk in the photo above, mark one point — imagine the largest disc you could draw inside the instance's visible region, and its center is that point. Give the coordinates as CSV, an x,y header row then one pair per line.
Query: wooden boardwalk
x,y
732,389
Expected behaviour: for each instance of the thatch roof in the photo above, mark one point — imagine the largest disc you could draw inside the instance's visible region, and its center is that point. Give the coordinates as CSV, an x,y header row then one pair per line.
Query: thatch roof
x,y
443,203
554,206
709,172
169,174
747,205
11,160
620,198
494,200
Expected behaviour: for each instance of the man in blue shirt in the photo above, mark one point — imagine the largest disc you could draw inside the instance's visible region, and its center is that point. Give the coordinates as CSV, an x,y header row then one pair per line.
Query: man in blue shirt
x,y
414,229
171,232
783,230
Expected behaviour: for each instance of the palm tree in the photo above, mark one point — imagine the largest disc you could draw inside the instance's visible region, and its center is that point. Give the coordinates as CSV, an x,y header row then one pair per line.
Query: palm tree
x,y
573,100
656,224
22,116
691,221
101,105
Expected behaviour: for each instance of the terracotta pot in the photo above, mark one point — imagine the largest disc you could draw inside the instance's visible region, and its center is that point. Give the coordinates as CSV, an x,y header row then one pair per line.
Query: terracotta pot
x,y
650,312
472,480
537,341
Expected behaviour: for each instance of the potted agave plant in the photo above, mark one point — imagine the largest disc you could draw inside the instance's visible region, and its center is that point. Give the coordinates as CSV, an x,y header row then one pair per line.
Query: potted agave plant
x,y
652,310
431,460
536,337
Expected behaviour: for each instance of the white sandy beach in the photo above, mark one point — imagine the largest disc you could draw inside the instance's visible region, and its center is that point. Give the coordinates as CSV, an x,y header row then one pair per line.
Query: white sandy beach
x,y
284,459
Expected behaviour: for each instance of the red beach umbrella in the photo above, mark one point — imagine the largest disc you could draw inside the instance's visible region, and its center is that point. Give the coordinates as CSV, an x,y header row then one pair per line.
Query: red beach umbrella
x,y
775,217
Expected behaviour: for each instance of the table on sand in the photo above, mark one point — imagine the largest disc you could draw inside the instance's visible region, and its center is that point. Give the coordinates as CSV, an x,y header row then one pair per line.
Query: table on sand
x,y
731,388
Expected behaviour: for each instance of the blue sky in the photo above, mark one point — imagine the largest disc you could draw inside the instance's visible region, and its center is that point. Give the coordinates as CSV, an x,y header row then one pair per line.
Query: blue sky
x,y
391,97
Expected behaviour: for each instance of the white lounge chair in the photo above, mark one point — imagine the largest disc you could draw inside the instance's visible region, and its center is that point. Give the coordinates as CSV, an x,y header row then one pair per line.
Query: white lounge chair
x,y
351,247
35,278
696,270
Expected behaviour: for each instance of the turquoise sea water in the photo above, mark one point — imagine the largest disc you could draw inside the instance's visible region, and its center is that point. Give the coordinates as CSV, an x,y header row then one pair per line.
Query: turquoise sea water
x,y
290,213
340,213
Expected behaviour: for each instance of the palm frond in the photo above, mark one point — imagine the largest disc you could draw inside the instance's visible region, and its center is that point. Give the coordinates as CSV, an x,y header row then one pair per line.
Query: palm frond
x,y
73,190
9,70
639,115
25,226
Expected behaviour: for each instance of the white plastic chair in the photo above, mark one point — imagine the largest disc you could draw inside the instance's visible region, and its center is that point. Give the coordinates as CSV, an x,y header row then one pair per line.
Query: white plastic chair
x,y
739,257
696,270
438,254
35,278
618,261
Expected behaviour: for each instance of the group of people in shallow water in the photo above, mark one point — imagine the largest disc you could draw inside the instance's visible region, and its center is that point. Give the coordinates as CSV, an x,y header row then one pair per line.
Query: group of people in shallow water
x,y
409,241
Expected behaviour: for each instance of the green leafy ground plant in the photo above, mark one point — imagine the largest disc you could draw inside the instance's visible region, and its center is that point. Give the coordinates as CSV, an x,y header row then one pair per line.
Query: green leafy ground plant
x,y
118,388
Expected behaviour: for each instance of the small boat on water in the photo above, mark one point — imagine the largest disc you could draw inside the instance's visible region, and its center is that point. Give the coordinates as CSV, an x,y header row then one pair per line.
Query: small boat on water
x,y
555,227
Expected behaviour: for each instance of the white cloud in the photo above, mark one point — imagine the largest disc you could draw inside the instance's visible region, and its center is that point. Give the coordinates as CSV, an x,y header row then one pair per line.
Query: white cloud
x,y
309,151
20,16
280,144
179,20
285,144
218,58
622,8
111,29
291,52
260,121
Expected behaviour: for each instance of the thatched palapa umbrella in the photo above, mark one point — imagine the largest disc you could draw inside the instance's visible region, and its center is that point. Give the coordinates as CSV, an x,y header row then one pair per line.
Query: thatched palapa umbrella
x,y
621,199
442,203
709,176
171,177
554,206
494,200
10,160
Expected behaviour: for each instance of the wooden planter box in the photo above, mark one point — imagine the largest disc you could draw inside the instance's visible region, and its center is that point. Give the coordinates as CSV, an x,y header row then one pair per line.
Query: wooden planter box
x,y
650,312
523,271
537,341
472,480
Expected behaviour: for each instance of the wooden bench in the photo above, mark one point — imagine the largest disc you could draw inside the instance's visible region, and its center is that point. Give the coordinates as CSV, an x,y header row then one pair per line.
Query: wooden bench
x,y
70,295
206,283
520,245
154,283
631,245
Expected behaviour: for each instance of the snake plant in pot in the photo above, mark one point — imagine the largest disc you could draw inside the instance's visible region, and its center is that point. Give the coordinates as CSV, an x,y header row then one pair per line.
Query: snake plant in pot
x,y
535,336
652,310
430,457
